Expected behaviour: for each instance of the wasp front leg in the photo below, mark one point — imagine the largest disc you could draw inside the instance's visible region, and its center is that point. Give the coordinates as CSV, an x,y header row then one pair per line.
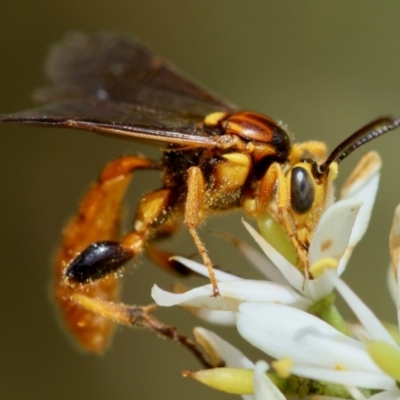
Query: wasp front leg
x,y
275,181
97,221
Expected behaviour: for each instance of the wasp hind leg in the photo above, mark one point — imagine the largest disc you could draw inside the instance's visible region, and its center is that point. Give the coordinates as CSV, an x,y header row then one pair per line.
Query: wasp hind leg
x,y
87,288
97,221
155,218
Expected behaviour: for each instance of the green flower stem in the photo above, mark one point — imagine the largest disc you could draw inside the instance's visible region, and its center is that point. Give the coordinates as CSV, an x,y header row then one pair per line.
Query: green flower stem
x,y
302,387
327,311
276,236
241,381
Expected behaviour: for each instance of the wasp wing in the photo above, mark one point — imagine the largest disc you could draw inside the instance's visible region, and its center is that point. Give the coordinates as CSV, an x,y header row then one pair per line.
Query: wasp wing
x,y
111,84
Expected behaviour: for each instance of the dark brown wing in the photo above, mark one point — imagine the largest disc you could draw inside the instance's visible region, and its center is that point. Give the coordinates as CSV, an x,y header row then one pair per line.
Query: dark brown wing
x,y
111,84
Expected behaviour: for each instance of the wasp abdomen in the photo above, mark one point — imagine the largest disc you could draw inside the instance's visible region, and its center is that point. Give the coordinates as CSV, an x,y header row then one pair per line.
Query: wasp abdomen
x,y
96,261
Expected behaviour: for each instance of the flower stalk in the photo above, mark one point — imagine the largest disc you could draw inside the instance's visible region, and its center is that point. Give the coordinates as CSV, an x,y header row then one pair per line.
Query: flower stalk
x,y
326,310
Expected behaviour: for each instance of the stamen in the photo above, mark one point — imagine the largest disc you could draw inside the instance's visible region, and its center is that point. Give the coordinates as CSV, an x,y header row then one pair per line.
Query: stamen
x,y
386,356
283,367
339,367
320,266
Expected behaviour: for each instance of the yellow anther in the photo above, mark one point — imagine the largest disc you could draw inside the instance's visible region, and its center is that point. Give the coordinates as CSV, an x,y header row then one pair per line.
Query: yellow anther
x,y
283,367
320,266
386,356
339,367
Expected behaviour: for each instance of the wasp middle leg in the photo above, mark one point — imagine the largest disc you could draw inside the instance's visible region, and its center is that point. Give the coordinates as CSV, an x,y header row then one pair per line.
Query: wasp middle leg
x,y
193,218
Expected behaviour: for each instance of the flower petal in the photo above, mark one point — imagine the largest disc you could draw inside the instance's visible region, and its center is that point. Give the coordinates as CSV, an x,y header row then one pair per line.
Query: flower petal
x,y
218,348
261,262
283,331
202,270
398,300
366,317
386,356
318,288
215,317
314,289
392,284
231,295
386,395
362,184
394,241
213,343
288,270
347,378
332,235
264,389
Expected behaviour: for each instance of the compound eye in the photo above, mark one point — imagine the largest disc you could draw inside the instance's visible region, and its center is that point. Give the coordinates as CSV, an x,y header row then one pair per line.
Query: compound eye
x,y
302,190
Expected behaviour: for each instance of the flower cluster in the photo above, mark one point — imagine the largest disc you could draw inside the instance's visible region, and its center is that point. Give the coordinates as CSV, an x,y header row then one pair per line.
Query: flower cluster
x,y
293,319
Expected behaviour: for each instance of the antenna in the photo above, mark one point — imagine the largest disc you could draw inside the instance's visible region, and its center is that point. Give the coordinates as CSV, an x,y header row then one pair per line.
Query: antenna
x,y
369,132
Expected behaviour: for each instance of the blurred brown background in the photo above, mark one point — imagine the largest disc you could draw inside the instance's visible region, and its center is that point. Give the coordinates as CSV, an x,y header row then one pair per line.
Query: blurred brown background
x,y
325,68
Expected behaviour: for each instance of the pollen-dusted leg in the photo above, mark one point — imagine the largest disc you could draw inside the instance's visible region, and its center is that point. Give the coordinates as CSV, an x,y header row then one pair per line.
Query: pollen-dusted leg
x,y
153,219
275,178
193,217
90,270
97,220
140,317
102,258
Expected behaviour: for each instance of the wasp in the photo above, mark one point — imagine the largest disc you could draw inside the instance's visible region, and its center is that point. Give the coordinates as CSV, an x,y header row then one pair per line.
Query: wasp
x,y
215,158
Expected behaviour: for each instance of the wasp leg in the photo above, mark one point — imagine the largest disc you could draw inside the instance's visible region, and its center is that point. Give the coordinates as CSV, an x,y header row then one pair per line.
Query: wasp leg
x,y
164,260
153,218
275,175
140,316
97,220
193,218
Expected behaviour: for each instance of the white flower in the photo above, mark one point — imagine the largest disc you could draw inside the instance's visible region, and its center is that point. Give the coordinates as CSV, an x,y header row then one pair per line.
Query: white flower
x,y
328,246
233,292
341,227
237,368
321,352
318,350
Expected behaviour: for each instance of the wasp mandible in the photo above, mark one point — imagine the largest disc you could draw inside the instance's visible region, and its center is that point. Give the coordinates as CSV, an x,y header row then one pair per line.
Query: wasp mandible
x,y
215,158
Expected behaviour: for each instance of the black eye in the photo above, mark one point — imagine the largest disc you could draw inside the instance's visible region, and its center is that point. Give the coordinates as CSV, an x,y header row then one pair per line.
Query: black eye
x,y
302,190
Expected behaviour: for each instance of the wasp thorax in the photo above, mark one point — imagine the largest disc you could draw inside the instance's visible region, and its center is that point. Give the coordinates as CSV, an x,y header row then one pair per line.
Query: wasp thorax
x,y
257,127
